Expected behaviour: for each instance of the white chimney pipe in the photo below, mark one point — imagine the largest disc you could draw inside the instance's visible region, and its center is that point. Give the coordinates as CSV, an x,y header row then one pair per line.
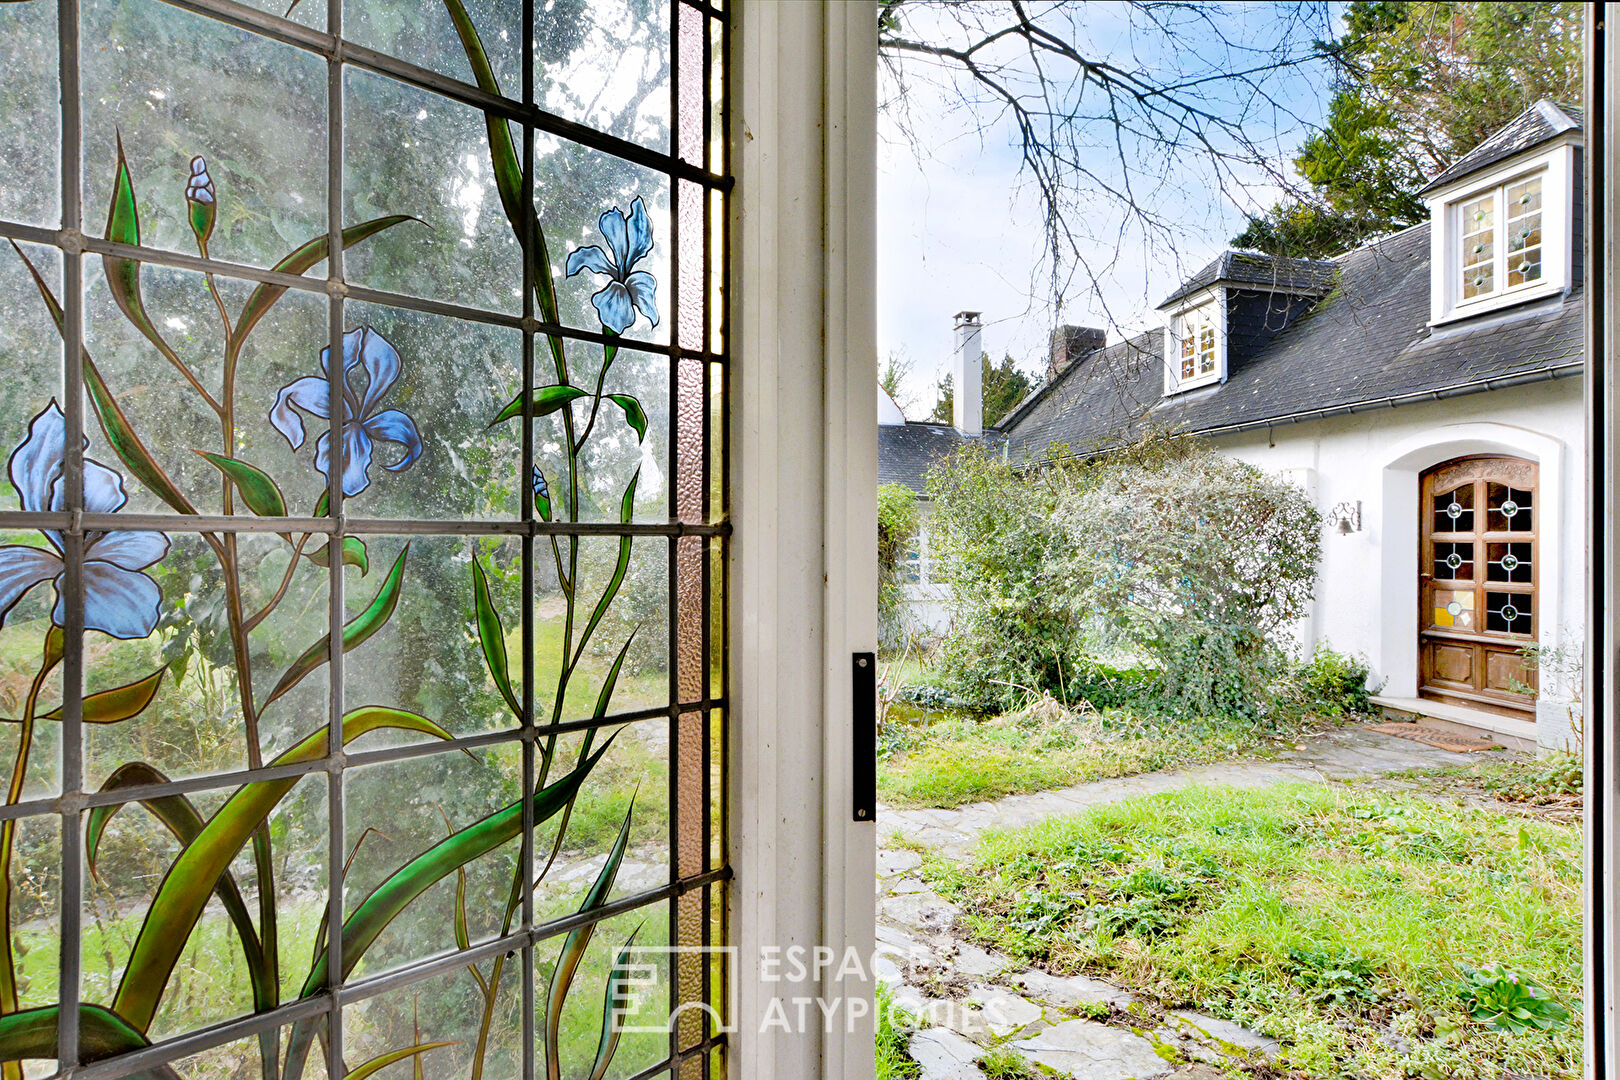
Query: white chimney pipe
x,y
968,376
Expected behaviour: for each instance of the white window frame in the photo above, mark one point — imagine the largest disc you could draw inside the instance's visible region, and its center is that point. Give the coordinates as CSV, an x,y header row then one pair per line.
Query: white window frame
x,y
1208,308
1555,168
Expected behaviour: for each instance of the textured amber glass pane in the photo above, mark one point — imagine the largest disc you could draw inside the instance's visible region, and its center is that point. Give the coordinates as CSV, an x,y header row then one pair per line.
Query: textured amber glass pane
x,y
690,33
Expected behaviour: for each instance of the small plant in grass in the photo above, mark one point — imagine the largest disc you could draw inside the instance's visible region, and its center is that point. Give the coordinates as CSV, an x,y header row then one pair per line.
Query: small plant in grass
x,y
1004,1063
1336,977
895,1027
1509,1001
1333,684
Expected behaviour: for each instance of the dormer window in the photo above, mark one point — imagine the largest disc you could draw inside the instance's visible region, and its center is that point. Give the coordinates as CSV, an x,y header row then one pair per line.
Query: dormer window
x,y
1196,336
1502,218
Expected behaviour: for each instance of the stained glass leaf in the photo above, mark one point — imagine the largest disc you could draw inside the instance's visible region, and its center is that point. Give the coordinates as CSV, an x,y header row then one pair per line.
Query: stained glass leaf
x,y
354,554
382,1061
492,637
302,258
574,946
181,818
546,400
617,981
259,492
124,275
31,1033
190,880
355,631
119,703
387,900
634,414
626,510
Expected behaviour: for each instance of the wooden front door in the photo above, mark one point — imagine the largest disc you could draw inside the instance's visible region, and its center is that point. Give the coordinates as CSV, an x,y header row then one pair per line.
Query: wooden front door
x,y
1477,577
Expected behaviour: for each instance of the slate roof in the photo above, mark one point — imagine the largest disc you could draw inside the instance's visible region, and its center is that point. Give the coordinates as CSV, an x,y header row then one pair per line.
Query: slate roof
x,y
1253,268
1366,343
907,451
1539,123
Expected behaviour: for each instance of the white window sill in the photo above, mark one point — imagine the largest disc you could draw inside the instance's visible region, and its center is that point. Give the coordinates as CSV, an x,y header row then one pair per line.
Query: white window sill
x,y
1184,385
1472,308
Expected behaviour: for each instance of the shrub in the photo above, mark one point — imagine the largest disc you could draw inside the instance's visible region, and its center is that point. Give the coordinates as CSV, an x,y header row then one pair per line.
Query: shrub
x,y
993,530
1200,563
1334,684
897,530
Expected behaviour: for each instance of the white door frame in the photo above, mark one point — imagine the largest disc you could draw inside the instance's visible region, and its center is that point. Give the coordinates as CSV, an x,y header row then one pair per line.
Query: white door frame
x,y
804,561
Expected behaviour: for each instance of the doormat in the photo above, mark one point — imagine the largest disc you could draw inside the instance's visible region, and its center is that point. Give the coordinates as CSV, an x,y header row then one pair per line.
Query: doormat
x,y
1430,735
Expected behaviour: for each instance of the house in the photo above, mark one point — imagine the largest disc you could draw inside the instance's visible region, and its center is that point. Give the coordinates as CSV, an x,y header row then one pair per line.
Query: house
x,y
1426,391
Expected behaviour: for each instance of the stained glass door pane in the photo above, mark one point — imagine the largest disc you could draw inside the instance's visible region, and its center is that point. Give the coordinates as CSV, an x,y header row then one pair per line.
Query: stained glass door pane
x,y
364,553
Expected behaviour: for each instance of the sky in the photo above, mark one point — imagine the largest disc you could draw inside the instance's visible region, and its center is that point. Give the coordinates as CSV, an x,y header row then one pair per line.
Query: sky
x,y
960,229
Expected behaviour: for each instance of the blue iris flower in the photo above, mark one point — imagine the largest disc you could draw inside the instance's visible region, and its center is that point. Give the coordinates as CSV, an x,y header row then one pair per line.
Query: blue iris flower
x,y
629,240
362,423
118,598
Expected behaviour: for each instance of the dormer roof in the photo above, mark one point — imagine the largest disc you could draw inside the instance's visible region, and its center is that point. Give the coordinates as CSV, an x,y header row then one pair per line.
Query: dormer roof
x,y
1253,268
1540,123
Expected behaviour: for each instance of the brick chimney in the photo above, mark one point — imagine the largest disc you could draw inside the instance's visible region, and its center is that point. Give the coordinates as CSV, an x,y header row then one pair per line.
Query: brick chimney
x,y
968,375
1070,343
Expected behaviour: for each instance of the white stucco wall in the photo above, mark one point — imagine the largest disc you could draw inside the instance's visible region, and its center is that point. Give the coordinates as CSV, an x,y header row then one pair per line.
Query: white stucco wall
x,y
1367,595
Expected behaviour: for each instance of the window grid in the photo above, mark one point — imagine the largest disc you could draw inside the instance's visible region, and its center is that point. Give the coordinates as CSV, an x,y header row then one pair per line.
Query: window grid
x,y
708,530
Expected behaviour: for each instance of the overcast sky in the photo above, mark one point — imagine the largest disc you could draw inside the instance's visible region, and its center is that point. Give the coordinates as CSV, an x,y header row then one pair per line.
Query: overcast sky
x,y
958,229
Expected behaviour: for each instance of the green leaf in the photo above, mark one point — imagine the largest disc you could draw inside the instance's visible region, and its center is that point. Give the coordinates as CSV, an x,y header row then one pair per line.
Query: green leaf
x,y
492,637
181,818
546,400
124,275
627,507
367,922
259,492
185,889
618,978
114,424
31,1033
119,703
634,414
509,181
574,946
301,259
382,1061
355,631
354,553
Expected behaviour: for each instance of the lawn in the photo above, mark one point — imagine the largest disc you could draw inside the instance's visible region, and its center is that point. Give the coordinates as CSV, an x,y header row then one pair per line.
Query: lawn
x,y
946,759
1345,923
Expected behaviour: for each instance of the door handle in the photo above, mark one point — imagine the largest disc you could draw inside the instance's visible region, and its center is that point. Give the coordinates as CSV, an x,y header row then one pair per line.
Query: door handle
x,y
863,766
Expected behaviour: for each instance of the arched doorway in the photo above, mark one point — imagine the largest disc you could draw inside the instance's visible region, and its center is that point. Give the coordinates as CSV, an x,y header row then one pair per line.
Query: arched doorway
x,y
1478,573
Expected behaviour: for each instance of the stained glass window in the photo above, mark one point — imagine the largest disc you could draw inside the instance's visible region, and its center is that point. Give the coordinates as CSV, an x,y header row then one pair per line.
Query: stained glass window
x,y
363,571
1478,247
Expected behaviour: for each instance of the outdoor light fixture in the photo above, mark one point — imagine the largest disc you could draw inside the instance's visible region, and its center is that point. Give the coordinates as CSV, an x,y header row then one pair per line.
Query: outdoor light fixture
x,y
1346,517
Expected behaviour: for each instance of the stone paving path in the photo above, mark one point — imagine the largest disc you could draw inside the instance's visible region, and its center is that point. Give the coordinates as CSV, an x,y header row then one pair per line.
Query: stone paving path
x,y
973,999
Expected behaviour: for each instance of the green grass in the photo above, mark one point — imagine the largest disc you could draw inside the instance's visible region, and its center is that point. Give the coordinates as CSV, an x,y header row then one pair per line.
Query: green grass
x,y
952,760
1005,1064
1339,921
894,1029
